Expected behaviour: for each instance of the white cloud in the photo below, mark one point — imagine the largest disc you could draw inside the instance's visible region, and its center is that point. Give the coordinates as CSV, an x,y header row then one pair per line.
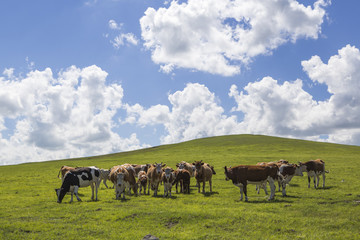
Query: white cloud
x,y
220,36
287,110
122,38
68,116
194,113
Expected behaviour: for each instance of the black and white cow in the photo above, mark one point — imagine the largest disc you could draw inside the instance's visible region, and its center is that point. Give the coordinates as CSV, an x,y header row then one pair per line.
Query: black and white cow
x,y
77,178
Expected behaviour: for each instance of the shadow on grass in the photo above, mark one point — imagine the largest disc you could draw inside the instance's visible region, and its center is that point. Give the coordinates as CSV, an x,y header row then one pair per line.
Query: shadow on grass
x,y
265,201
208,194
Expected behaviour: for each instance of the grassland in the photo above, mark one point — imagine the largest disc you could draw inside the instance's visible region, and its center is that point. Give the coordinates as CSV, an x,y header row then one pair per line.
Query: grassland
x,y
28,208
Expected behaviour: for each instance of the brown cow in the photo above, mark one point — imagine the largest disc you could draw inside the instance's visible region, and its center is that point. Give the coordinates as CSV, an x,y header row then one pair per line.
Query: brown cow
x,y
187,166
182,176
154,175
142,181
167,178
252,174
203,174
119,176
131,181
63,170
314,168
141,167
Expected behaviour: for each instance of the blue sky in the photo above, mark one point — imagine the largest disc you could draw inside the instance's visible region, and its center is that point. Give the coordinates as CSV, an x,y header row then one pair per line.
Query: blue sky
x,y
82,78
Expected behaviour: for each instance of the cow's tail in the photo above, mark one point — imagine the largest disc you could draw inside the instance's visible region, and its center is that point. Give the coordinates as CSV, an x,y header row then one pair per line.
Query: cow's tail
x,y
59,172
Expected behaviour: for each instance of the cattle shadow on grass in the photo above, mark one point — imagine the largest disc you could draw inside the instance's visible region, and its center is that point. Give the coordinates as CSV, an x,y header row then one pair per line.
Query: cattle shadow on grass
x,y
265,201
208,194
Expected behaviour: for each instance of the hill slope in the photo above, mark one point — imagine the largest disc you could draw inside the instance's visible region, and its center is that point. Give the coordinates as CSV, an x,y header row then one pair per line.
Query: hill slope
x,y
29,210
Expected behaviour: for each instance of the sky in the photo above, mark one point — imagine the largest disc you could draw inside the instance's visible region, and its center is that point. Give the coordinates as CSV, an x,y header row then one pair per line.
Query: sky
x,y
91,77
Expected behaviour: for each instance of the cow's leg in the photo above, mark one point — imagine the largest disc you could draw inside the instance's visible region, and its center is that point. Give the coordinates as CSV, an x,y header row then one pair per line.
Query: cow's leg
x,y
149,187
170,191
76,189
203,191
245,192
263,185
71,199
323,174
241,192
105,183
210,183
272,188
92,190
309,180
198,184
279,185
257,188
315,177
284,188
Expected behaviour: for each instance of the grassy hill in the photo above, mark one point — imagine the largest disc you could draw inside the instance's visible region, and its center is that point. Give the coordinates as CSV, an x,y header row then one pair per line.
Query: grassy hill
x,y
28,208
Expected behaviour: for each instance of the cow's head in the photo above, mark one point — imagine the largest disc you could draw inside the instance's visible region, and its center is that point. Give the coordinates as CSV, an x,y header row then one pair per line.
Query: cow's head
x,y
159,167
168,172
60,193
181,165
302,167
298,170
198,165
227,178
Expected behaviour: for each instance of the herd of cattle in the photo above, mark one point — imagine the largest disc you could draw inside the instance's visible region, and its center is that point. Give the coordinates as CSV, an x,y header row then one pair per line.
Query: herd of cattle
x,y
139,178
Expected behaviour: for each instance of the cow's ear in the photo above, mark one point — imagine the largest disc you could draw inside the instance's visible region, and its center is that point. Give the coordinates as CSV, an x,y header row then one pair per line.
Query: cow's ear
x,y
193,163
177,165
154,165
164,165
202,163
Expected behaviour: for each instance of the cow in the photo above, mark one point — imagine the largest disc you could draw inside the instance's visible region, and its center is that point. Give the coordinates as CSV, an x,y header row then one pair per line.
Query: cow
x,y
143,167
131,182
182,176
63,170
252,174
314,168
119,176
142,181
167,178
77,178
203,174
187,166
286,173
104,176
154,175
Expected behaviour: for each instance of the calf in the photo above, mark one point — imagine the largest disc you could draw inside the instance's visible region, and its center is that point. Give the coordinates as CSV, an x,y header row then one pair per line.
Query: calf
x,y
154,175
142,181
183,176
104,176
167,178
203,174
314,168
77,178
247,174
286,173
119,176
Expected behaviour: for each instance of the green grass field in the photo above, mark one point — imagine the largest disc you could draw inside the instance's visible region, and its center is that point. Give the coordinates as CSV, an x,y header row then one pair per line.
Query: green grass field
x,y
29,210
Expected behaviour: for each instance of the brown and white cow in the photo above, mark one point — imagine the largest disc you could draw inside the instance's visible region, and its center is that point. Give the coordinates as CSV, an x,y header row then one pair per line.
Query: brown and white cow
x,y
131,183
182,176
252,174
63,170
119,176
77,178
203,174
167,178
314,168
142,181
187,166
286,173
154,175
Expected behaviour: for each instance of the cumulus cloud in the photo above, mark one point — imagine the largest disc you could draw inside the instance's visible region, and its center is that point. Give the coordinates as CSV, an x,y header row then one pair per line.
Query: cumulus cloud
x,y
220,36
287,110
194,113
67,116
